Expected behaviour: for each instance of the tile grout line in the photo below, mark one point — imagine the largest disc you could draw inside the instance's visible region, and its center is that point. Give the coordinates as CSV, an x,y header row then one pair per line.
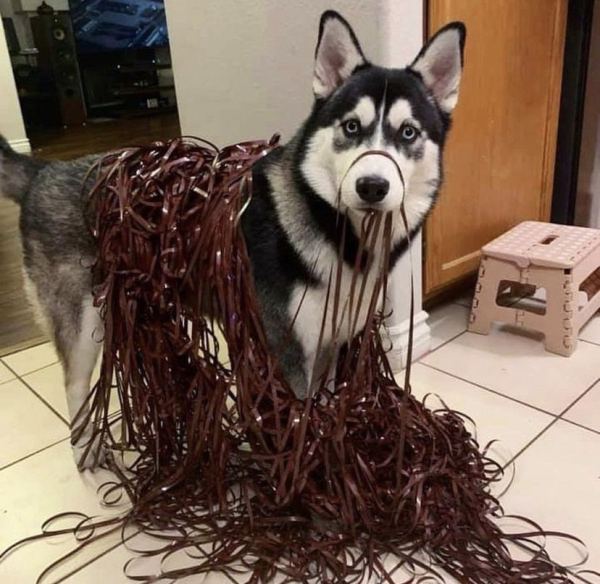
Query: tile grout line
x,y
33,370
530,443
34,453
588,390
8,380
555,418
26,349
580,425
37,395
419,360
112,417
474,384
558,418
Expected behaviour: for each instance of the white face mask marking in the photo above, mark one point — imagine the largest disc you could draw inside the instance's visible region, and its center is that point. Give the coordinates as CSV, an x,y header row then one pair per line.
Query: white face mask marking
x,y
326,169
400,112
364,112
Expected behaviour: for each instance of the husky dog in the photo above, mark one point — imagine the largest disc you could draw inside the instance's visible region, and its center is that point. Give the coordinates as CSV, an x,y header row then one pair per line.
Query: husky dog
x,y
292,222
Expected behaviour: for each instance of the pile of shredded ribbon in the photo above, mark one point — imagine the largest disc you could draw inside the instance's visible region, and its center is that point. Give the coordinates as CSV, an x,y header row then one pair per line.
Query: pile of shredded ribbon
x,y
247,479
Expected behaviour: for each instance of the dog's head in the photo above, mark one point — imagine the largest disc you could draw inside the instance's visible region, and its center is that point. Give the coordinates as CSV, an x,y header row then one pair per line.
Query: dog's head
x,y
361,108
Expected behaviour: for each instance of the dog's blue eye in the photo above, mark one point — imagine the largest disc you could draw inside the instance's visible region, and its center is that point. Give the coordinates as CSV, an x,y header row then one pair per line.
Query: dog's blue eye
x,y
409,133
351,127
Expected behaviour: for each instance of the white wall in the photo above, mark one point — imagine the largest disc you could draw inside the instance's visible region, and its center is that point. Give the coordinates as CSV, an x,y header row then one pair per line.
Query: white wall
x,y
11,120
404,28
588,187
243,70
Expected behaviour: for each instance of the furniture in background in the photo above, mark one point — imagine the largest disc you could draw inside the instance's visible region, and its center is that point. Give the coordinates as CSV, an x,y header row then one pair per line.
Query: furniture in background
x,y
61,85
129,83
57,55
12,40
555,265
500,156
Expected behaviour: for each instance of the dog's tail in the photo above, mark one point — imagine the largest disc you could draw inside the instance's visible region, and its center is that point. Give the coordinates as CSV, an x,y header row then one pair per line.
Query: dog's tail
x,y
16,172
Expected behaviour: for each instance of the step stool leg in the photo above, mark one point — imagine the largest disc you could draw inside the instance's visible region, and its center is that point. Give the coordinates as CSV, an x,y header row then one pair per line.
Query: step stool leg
x,y
560,344
560,336
484,299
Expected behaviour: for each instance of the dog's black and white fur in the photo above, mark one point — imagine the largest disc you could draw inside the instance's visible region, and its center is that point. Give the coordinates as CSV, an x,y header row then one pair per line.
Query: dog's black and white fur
x,y
291,225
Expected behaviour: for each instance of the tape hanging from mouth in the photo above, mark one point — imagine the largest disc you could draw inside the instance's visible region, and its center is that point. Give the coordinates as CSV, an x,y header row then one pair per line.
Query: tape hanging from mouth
x,y
233,473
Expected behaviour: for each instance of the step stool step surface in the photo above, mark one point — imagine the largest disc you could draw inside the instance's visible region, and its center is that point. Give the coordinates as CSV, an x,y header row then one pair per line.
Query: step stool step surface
x,y
544,244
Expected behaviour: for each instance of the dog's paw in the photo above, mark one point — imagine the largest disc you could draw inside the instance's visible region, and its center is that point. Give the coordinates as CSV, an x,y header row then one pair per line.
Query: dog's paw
x,y
89,456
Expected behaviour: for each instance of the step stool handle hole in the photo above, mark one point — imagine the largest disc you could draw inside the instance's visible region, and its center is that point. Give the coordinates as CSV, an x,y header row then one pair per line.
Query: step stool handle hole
x,y
548,240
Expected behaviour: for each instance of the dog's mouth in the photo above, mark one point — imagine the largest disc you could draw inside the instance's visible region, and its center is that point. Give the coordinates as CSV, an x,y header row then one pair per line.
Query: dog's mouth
x,y
364,209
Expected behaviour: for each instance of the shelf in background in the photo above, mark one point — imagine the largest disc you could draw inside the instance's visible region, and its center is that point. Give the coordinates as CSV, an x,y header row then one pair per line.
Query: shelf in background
x,y
142,68
143,89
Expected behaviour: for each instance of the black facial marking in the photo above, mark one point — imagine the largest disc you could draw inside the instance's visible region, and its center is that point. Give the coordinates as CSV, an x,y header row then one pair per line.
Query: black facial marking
x,y
412,150
417,151
375,82
330,223
400,248
268,244
343,141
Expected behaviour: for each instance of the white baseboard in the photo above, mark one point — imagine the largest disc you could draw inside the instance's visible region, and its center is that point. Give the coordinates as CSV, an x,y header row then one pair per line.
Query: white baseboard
x,y
23,146
398,336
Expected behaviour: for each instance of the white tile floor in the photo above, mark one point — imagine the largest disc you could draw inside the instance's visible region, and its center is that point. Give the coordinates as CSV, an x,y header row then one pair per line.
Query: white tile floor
x,y
544,409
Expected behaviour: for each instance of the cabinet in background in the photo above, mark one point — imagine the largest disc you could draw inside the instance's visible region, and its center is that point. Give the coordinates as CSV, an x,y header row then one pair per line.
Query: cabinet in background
x,y
500,155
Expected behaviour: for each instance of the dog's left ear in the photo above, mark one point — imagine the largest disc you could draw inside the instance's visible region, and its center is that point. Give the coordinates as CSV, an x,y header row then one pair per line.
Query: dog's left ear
x,y
440,64
338,54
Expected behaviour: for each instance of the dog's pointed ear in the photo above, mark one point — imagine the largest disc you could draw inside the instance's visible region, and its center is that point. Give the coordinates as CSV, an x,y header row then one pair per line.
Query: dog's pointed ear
x,y
338,54
440,64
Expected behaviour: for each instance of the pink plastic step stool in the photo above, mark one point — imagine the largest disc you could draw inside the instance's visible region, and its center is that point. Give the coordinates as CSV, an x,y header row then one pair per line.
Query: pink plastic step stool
x,y
562,260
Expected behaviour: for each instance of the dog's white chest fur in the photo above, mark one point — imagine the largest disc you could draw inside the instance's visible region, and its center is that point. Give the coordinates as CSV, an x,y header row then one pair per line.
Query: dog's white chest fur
x,y
318,318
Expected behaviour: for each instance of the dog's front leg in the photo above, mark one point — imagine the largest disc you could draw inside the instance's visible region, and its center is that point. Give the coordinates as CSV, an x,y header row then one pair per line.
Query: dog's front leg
x,y
79,359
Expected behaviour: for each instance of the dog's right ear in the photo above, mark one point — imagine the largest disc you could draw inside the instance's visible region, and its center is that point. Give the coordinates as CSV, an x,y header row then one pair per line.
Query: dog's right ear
x,y
440,64
338,54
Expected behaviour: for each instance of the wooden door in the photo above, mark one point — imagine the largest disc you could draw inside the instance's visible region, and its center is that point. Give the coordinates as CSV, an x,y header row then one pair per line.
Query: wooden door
x,y
499,163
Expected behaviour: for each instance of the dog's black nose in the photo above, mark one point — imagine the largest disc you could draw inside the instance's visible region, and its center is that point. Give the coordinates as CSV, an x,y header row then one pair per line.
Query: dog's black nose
x,y
372,189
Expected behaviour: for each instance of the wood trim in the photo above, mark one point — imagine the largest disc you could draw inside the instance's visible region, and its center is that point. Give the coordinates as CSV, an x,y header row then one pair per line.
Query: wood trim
x,y
560,30
468,258
447,293
22,146
460,282
426,31
576,63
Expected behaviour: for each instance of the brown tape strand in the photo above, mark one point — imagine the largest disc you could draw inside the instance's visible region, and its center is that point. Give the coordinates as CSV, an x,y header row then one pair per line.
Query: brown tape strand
x,y
246,478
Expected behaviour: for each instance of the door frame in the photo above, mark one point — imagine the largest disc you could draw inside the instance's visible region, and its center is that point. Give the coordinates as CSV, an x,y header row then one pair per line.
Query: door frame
x,y
570,124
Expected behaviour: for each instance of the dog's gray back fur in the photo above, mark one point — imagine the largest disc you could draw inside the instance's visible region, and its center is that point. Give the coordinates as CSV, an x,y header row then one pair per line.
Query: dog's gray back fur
x,y
58,249
16,172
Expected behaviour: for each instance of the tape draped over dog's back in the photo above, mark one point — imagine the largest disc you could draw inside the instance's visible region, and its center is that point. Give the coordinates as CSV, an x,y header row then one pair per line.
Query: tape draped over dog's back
x,y
244,474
